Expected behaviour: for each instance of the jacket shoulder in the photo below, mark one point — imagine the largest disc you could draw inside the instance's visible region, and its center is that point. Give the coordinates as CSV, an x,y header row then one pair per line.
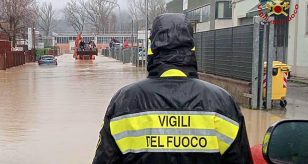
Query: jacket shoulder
x,y
212,88
218,99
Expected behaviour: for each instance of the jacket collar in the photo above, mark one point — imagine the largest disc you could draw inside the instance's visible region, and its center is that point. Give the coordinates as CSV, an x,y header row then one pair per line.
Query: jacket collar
x,y
173,64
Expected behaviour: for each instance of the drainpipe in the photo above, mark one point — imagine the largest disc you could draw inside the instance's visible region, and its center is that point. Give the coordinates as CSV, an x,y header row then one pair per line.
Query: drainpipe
x,y
295,42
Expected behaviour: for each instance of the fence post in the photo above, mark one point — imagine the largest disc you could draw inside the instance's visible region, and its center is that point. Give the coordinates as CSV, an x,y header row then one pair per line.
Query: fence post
x,y
5,62
255,63
123,55
131,55
270,58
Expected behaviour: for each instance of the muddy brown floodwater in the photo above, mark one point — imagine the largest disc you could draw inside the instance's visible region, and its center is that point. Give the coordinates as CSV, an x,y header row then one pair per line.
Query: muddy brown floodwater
x,y
52,115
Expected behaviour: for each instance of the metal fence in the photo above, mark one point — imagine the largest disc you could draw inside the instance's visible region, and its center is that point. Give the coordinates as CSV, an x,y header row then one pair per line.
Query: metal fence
x,y
226,52
129,55
11,59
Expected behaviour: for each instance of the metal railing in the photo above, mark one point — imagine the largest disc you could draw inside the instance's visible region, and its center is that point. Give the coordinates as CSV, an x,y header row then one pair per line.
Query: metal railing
x,y
128,55
226,52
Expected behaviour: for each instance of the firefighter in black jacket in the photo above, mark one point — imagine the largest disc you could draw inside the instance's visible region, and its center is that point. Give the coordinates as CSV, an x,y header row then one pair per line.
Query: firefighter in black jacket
x,y
172,117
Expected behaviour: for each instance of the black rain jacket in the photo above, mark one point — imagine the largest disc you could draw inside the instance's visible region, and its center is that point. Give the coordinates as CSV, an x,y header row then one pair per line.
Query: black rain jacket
x,y
172,117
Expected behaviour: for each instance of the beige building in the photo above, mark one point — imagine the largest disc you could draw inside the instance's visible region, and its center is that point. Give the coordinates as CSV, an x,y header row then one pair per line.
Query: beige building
x,y
241,8
291,39
205,15
298,40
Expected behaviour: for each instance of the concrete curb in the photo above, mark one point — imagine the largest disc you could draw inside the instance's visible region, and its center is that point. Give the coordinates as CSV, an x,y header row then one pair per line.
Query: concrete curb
x,y
298,81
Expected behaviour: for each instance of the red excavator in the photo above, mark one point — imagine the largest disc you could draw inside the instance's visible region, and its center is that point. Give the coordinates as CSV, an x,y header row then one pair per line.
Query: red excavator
x,y
84,51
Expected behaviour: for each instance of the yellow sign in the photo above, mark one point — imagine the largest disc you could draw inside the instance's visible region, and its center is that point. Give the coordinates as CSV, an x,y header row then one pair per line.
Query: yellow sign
x,y
277,7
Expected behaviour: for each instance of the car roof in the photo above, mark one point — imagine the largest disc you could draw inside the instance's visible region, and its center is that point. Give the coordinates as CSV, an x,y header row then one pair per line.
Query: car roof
x,y
47,56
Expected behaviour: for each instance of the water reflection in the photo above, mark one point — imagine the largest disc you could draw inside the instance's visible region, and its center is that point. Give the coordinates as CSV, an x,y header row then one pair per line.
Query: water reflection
x,y
257,122
53,114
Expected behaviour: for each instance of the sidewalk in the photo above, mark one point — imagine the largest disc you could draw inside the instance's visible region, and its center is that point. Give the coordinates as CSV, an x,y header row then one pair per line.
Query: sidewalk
x,y
301,80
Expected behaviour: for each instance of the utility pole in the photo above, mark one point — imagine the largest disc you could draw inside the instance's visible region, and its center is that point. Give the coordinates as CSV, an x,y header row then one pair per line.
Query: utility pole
x,y
146,31
33,41
132,39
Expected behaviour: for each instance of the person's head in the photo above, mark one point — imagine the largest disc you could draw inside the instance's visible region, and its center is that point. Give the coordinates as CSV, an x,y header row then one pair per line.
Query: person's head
x,y
172,44
171,32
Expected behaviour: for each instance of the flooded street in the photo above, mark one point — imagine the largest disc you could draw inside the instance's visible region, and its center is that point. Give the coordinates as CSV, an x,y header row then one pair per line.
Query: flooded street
x,y
52,115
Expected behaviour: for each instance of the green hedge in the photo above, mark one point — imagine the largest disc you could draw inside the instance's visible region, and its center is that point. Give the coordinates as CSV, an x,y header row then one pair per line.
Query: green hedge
x,y
41,52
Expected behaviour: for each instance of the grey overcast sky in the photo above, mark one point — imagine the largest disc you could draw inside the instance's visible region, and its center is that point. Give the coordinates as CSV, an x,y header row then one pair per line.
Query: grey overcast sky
x,y
59,4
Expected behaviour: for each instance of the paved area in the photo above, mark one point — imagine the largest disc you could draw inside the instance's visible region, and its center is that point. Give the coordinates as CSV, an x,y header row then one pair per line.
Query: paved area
x,y
52,115
297,101
299,80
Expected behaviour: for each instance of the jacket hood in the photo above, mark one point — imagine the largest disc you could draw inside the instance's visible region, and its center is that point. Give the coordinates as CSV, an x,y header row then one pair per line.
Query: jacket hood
x,y
172,43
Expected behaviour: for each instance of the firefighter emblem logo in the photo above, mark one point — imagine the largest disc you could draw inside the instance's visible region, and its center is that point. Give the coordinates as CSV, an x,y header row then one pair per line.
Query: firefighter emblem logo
x,y
270,8
277,7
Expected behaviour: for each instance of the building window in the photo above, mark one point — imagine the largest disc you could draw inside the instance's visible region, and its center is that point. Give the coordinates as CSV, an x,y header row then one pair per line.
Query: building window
x,y
200,14
62,40
99,40
205,13
223,10
194,15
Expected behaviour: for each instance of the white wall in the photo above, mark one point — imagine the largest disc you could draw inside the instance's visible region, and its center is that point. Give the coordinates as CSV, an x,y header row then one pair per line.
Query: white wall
x,y
298,40
223,23
204,26
241,7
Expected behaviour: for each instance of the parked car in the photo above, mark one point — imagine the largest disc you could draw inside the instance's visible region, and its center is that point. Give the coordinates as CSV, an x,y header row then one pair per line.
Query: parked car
x,y
284,142
118,45
47,59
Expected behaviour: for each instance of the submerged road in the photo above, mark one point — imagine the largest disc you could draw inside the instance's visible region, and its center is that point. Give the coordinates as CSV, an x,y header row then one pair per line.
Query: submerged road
x,y
53,115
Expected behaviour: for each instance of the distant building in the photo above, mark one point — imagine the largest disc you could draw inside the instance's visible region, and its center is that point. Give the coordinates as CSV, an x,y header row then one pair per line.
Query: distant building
x,y
64,40
244,11
175,6
205,15
291,38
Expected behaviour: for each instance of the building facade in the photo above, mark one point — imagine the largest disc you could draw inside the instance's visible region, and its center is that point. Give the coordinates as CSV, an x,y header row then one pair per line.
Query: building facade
x,y
65,40
298,40
244,11
205,15
290,39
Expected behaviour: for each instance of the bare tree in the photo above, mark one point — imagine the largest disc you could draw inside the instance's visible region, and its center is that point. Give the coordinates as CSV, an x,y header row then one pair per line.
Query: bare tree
x,y
95,13
98,11
46,16
75,15
134,12
112,22
137,10
156,7
16,16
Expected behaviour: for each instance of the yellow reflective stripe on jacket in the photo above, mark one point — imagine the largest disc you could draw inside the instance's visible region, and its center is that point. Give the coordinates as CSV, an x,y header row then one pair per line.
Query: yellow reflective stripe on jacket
x,y
173,73
149,48
150,52
174,123
193,49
